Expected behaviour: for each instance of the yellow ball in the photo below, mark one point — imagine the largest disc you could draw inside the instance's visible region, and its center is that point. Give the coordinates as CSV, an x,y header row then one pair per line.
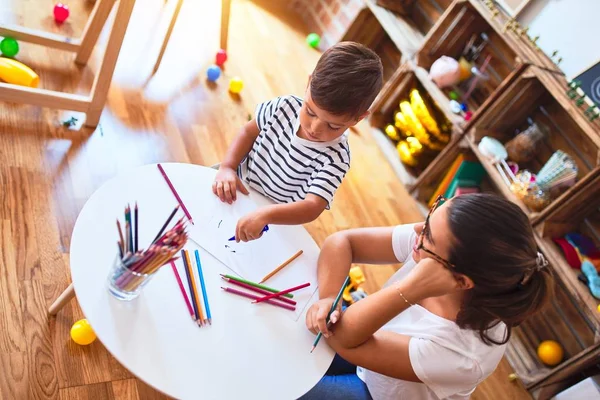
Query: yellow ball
x,y
598,307
550,352
236,85
82,333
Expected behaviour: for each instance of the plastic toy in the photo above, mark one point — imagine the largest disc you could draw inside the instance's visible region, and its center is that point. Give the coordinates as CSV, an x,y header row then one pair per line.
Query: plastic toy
x,y
550,352
313,40
589,270
236,85
453,95
221,57
9,47
82,333
61,12
391,132
354,291
12,71
213,73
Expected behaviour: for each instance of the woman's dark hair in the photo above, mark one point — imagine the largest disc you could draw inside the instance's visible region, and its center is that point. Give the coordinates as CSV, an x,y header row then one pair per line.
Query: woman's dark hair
x,y
495,247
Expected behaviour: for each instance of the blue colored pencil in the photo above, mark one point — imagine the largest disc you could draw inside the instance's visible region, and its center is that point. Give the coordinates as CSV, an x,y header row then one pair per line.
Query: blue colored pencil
x,y
204,294
333,307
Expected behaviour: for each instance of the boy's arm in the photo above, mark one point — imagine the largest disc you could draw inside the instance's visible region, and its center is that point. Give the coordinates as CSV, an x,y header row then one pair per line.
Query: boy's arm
x,y
226,182
300,212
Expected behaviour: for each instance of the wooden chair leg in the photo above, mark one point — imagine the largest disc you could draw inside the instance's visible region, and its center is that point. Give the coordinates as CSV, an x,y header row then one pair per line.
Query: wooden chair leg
x,y
225,10
92,30
63,299
107,67
167,37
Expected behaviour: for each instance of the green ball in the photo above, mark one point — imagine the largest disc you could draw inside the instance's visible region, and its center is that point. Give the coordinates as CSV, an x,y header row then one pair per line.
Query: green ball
x,y
9,47
313,40
453,95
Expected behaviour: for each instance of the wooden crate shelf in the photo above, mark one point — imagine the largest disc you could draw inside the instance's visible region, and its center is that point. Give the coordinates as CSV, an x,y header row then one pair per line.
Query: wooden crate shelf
x,y
449,37
395,90
532,97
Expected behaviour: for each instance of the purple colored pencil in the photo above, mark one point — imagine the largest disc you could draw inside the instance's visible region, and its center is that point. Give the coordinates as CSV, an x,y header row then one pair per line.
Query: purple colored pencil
x,y
253,297
257,290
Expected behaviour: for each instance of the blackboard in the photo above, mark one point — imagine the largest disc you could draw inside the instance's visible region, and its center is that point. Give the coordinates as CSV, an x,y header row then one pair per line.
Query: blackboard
x,y
590,82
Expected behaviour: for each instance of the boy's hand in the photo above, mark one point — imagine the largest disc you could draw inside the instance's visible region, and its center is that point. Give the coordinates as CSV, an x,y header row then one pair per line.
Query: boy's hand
x,y
250,227
225,185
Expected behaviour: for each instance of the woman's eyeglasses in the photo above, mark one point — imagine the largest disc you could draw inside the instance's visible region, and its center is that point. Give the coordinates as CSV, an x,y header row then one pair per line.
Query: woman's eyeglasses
x,y
425,232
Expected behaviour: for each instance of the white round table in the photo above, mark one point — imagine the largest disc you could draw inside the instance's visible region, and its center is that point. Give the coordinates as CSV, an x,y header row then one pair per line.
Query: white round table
x,y
249,352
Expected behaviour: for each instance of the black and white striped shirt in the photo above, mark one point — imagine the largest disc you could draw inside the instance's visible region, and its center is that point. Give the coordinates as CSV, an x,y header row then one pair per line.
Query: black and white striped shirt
x,y
285,167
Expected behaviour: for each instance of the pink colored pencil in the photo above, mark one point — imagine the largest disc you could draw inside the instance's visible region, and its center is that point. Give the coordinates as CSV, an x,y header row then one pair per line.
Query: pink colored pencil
x,y
251,296
258,290
180,283
286,291
185,210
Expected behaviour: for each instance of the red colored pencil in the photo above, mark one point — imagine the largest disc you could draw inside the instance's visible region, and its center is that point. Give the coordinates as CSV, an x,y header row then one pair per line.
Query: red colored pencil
x,y
257,290
180,283
251,296
164,174
286,291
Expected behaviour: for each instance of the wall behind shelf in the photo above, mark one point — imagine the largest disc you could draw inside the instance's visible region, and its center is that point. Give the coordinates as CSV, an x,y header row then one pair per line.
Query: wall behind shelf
x,y
569,26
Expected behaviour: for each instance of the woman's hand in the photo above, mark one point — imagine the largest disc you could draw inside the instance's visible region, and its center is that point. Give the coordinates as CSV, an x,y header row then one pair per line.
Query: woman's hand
x,y
429,278
316,316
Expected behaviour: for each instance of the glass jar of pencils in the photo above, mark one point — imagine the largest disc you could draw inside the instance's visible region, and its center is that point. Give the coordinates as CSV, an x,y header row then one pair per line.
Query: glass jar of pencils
x,y
124,282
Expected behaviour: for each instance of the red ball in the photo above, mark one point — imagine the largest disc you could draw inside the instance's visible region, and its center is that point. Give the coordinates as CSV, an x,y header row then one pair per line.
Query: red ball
x,y
221,57
468,115
61,12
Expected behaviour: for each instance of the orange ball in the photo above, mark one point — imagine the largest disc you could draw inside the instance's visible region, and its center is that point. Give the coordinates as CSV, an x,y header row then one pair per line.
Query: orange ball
x,y
82,332
550,352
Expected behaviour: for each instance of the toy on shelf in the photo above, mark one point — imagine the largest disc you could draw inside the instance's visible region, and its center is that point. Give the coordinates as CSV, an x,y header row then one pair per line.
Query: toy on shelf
x,y
9,47
354,291
213,73
12,71
236,85
445,72
221,57
82,333
550,352
61,12
313,40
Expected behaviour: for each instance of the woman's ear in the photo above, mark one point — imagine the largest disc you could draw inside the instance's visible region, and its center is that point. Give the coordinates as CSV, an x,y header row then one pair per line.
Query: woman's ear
x,y
464,282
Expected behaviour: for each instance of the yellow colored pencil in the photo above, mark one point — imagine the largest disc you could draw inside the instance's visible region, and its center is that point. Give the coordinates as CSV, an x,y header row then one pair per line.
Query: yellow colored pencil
x,y
194,288
282,266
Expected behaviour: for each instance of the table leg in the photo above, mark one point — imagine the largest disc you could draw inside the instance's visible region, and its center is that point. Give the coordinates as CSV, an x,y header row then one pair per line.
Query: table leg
x,y
63,299
167,37
225,10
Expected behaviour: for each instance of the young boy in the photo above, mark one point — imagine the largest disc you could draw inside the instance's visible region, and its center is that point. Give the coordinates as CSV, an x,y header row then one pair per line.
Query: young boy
x,y
296,151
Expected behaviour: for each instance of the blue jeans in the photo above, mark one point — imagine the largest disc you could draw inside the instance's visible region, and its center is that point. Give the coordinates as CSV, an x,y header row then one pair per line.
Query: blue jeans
x,y
339,383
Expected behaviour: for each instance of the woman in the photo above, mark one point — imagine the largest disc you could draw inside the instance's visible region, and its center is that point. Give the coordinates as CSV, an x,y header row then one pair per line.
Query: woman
x,y
440,325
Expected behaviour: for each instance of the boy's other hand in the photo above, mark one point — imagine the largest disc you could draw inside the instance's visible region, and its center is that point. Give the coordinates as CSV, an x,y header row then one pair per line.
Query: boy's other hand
x,y
250,227
226,185
316,317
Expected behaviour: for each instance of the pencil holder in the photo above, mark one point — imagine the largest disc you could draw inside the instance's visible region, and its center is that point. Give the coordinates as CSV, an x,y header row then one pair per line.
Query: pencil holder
x,y
125,283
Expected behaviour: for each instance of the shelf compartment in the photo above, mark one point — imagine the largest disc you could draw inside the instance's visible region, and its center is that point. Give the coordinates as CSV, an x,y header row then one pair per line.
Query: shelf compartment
x,y
531,98
461,22
385,105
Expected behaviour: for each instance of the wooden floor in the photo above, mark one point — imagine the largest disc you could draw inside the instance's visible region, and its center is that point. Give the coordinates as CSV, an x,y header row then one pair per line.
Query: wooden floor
x,y
47,172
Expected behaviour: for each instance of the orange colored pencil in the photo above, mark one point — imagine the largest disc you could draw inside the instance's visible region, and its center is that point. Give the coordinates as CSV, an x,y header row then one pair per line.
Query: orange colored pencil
x,y
194,288
282,266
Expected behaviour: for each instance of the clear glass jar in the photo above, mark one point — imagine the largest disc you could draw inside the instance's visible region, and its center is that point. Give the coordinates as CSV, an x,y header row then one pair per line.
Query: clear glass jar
x,y
124,283
525,145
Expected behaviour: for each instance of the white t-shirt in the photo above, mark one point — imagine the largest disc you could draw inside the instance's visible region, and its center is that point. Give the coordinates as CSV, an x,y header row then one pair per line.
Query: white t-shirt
x,y
283,166
450,361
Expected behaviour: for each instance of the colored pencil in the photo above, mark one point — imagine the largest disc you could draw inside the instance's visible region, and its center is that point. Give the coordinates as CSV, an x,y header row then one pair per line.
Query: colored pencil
x,y
203,287
258,290
189,279
135,246
258,285
272,295
130,229
127,243
164,174
282,266
120,246
167,222
182,289
333,307
195,287
121,237
265,229
251,296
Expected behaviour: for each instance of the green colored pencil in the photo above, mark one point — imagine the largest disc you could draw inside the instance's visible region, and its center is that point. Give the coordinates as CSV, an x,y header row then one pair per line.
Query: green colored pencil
x,y
333,307
258,285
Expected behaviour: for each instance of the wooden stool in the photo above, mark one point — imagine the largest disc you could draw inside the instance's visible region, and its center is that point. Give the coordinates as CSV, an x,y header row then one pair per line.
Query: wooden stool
x,y
93,104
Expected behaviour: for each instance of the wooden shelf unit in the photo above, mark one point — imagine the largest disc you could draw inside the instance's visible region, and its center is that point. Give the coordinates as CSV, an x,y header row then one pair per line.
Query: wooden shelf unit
x,y
397,89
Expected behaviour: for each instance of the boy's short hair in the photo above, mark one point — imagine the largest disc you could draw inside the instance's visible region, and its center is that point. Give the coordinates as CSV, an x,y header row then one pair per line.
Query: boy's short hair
x,y
347,79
